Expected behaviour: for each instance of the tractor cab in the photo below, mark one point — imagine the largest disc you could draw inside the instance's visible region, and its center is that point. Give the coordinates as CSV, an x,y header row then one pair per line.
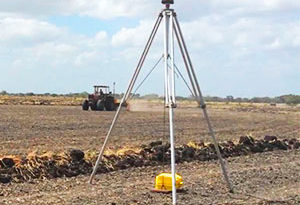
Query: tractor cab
x,y
101,89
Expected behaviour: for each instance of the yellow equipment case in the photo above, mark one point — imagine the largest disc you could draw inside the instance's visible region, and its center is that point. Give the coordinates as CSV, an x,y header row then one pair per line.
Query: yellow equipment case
x,y
163,182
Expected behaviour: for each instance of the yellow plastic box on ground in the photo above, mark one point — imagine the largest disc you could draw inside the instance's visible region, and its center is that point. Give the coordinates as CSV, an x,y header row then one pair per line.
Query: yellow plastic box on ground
x,y
163,182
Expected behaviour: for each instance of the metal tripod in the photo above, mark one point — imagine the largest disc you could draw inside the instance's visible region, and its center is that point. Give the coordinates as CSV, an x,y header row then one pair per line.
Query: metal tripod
x,y
171,27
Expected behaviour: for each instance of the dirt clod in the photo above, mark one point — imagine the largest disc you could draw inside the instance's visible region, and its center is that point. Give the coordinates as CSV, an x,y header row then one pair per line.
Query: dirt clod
x,y
76,155
270,138
246,140
156,143
4,178
7,163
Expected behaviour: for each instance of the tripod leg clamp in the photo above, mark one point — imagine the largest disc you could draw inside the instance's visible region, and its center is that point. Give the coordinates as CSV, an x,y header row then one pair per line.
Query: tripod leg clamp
x,y
203,106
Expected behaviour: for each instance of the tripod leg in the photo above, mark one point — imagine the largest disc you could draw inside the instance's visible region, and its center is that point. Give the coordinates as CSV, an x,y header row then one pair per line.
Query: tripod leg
x,y
172,105
144,54
189,62
184,59
127,93
166,56
200,99
172,147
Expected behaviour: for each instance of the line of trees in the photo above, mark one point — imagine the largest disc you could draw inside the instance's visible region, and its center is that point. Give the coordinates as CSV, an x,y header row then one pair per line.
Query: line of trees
x,y
288,99
82,94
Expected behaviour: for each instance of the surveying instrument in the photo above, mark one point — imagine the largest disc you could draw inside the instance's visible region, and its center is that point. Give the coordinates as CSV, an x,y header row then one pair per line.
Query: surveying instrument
x,y
172,30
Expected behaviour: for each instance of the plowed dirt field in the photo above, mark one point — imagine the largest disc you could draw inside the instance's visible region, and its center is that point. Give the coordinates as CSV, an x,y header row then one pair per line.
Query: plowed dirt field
x,y
264,178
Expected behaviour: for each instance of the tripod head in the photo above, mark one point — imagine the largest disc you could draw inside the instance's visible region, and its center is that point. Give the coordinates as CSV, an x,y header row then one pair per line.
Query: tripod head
x,y
167,2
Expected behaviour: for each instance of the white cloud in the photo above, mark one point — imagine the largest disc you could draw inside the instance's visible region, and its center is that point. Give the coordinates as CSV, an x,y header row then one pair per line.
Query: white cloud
x,y
86,58
257,5
204,31
33,42
133,36
26,31
106,9
103,9
101,39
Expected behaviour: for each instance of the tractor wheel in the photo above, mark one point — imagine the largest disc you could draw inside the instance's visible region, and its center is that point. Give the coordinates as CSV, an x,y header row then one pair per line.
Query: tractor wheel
x,y
100,105
110,106
85,105
93,106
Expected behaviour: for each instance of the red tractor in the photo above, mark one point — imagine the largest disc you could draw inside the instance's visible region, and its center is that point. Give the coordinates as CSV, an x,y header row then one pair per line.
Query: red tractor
x,y
101,99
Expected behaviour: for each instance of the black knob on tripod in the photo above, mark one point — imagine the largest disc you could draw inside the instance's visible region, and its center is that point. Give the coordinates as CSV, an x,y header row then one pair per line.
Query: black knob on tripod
x,y
167,1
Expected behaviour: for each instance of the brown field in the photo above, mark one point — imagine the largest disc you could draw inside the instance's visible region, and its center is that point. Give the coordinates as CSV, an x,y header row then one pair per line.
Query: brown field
x,y
270,178
39,100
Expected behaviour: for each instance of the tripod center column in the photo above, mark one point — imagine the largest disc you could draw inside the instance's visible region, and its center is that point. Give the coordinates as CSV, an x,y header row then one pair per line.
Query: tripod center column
x,y
169,58
166,56
170,88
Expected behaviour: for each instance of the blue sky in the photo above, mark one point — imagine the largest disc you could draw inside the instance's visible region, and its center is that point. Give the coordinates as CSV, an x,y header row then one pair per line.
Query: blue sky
x,y
241,48
90,26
